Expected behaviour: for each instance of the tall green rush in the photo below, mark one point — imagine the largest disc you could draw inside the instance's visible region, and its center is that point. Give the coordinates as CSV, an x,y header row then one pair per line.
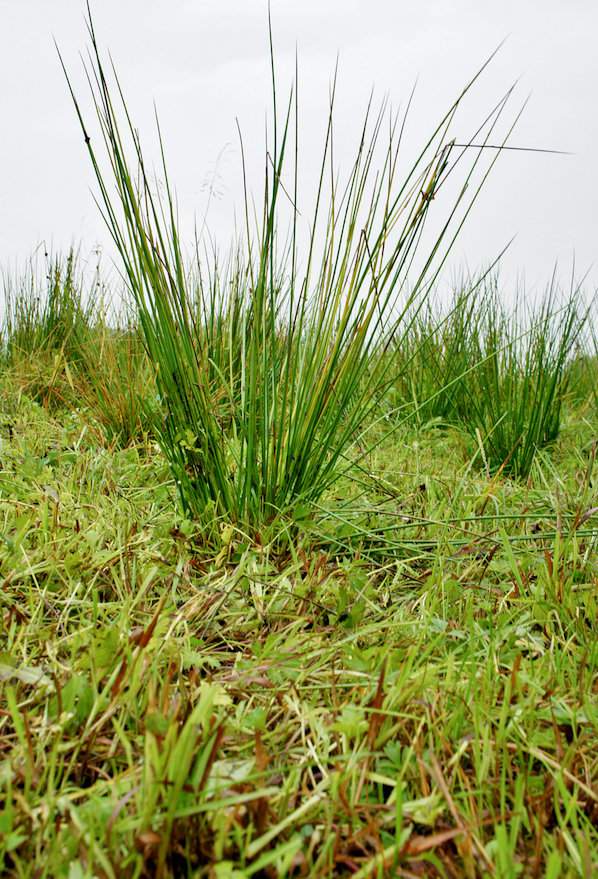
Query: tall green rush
x,y
261,430
516,391
46,314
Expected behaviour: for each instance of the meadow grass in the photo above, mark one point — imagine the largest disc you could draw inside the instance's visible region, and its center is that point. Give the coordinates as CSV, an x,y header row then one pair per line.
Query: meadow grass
x,y
405,687
298,570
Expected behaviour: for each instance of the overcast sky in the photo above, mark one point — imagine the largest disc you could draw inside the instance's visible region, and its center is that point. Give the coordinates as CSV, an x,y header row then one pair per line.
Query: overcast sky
x,y
205,63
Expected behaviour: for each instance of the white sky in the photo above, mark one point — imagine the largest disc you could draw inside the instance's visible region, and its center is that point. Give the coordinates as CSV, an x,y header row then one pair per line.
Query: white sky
x,y
205,62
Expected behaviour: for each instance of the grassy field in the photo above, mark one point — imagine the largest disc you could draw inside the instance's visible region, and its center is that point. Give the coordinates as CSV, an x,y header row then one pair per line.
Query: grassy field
x,y
299,569
399,682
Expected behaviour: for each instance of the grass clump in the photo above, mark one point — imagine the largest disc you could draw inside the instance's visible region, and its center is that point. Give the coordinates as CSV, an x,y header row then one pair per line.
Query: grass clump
x,y
115,383
268,431
582,370
501,374
45,315
47,320
64,349
516,394
436,357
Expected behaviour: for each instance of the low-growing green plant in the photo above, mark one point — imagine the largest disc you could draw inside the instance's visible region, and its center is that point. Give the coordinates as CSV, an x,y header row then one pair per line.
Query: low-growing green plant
x,y
177,706
269,429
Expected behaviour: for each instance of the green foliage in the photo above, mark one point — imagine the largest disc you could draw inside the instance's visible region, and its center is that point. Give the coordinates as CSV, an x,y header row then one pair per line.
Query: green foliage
x,y
263,386
396,678
515,395
46,322
45,315
180,701
582,370
436,357
115,381
500,374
